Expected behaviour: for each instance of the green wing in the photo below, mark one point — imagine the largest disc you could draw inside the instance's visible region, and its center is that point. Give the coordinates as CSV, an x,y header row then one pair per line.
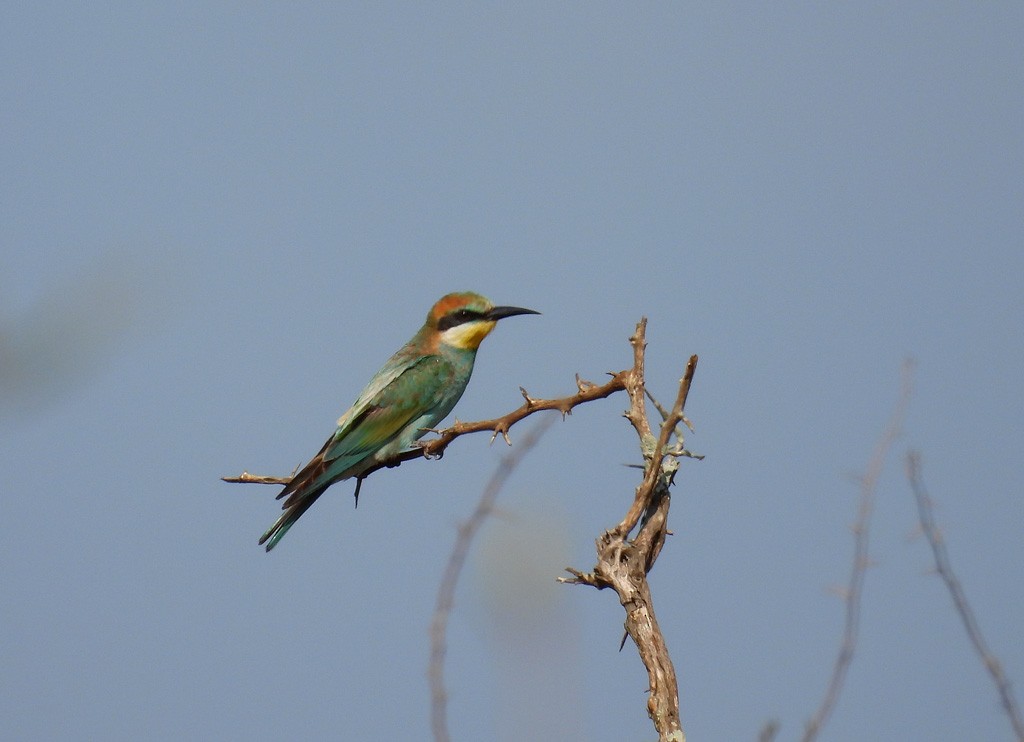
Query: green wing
x,y
404,398
420,396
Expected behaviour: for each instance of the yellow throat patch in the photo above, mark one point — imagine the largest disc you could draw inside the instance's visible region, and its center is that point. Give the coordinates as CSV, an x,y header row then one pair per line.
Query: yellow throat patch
x,y
469,335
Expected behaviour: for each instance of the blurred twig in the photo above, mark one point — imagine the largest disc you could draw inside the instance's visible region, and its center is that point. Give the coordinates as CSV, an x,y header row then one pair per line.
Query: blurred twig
x,y
446,591
963,608
861,530
768,731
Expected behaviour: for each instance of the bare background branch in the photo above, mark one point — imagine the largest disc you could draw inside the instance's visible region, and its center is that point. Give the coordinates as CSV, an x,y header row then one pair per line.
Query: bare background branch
x,y
861,532
446,590
963,608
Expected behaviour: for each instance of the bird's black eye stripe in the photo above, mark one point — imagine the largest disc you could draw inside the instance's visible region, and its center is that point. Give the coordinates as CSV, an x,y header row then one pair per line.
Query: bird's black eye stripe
x,y
458,317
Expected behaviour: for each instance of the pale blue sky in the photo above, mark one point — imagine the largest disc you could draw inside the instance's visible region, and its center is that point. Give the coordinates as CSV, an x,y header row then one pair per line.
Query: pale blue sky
x,y
219,221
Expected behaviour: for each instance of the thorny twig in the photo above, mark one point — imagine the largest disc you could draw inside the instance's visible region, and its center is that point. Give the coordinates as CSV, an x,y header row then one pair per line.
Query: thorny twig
x,y
435,447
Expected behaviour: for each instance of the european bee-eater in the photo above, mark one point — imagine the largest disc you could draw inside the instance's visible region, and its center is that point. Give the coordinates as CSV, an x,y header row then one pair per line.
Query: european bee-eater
x,y
412,393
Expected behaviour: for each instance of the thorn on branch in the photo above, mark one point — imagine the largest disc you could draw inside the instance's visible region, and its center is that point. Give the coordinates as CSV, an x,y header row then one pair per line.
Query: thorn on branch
x,y
581,578
583,386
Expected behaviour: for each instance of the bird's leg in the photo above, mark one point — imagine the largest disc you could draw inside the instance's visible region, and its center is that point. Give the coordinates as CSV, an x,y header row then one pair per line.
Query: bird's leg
x,y
425,445
359,484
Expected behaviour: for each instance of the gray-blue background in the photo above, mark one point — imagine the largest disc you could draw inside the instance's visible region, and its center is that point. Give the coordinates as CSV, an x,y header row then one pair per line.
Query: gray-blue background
x,y
218,221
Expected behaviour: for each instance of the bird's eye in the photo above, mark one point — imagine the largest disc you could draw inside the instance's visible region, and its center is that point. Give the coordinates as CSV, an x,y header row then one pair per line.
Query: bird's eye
x,y
464,315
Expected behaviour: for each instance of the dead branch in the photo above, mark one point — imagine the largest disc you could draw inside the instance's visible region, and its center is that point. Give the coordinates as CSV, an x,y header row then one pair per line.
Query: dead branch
x,y
623,564
858,570
435,447
446,591
963,608
247,478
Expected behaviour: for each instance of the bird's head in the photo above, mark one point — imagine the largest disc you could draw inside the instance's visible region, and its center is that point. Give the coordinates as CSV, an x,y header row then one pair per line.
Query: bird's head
x,y
464,319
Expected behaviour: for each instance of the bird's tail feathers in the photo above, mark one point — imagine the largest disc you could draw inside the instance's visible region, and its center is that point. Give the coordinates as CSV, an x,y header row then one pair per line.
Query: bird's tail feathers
x,y
294,507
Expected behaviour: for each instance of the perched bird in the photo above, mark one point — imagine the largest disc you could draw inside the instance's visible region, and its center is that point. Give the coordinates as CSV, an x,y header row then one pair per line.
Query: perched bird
x,y
416,389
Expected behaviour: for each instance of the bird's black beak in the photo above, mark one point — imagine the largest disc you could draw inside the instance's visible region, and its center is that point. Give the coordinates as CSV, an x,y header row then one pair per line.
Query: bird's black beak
x,y
496,313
